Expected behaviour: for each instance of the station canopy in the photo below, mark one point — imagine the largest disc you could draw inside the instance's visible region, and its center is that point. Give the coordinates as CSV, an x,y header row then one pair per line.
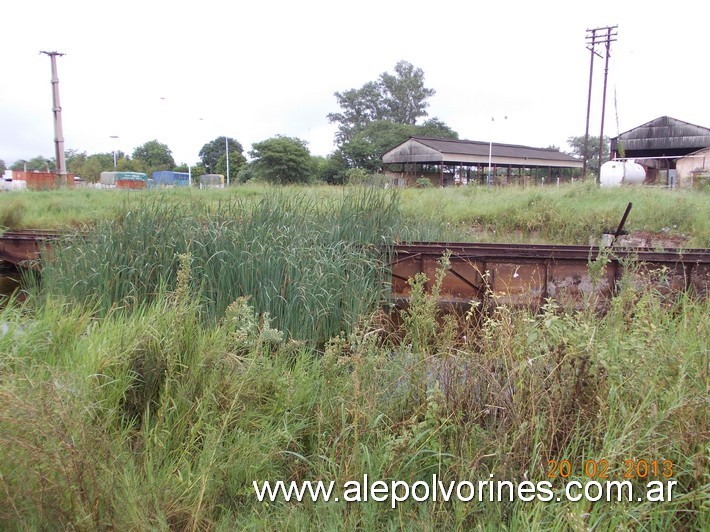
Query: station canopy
x,y
435,151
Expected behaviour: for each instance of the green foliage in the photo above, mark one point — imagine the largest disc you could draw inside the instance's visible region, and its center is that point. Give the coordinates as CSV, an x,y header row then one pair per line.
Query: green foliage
x,y
12,214
154,156
320,168
358,176
3,166
90,168
577,146
424,182
236,163
309,263
39,163
246,173
212,156
399,97
381,115
335,169
282,160
434,127
75,161
366,147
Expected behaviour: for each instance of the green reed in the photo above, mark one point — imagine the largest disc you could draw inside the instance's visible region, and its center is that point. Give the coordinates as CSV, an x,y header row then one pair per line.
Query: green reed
x,y
315,265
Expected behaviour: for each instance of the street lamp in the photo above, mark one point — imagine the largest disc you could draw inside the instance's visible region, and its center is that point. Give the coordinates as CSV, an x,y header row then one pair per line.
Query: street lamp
x,y
115,137
490,149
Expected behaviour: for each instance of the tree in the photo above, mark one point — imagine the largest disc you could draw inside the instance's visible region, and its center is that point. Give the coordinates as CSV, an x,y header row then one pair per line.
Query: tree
x,y
39,163
75,160
236,162
154,156
88,167
282,160
335,170
577,145
91,169
3,167
366,147
404,93
213,151
399,98
437,129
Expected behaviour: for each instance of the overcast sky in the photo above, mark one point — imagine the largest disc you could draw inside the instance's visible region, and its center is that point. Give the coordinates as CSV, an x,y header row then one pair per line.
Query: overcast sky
x,y
185,73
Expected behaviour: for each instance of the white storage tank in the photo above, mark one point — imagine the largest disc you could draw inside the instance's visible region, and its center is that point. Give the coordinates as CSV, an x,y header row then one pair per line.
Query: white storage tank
x,y
617,173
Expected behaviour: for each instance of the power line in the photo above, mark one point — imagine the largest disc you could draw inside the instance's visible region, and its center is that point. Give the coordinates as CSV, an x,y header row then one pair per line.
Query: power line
x,y
598,36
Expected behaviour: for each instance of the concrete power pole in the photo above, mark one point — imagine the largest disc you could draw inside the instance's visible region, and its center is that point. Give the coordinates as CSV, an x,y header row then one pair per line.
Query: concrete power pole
x,y
594,37
57,111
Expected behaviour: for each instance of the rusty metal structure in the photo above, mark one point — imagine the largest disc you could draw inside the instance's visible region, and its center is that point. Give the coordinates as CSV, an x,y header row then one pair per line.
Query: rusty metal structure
x,y
24,248
528,275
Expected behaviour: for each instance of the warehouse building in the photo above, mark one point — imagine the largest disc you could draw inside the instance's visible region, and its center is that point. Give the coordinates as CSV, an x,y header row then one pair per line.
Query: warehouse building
x,y
673,152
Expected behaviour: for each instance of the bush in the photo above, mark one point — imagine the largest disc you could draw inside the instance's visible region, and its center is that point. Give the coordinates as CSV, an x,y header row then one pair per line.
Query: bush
x,y
424,182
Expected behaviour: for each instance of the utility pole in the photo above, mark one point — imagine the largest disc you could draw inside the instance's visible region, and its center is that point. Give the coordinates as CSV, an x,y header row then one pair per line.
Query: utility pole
x,y
226,155
597,36
57,111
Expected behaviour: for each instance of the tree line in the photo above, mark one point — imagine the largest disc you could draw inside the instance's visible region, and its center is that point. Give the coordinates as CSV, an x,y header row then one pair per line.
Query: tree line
x,y
372,119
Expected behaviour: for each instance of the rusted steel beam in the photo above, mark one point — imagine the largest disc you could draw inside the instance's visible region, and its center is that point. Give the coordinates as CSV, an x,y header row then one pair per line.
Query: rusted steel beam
x,y
22,247
544,251
527,275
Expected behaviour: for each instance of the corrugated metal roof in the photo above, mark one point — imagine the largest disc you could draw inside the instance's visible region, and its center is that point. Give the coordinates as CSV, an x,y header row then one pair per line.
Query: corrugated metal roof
x,y
664,133
432,150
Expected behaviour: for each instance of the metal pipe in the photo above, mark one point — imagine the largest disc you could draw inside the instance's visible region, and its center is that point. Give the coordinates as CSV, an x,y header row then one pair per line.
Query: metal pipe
x,y
621,224
226,155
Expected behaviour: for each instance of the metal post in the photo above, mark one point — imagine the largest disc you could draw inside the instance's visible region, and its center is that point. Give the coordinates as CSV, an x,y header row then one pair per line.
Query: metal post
x,y
57,112
226,155
490,149
114,137
490,155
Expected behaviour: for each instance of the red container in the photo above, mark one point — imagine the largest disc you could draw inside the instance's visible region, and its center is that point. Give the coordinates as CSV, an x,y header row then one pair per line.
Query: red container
x,y
130,183
41,180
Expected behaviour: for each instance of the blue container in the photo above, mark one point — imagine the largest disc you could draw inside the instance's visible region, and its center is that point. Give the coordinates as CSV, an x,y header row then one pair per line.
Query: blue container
x,y
168,178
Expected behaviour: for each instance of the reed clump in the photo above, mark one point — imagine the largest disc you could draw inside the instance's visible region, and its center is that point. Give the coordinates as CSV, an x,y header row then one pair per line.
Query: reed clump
x,y
314,266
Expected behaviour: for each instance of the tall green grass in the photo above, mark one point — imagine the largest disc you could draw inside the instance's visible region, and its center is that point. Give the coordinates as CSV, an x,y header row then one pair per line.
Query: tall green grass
x,y
152,419
314,265
570,214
